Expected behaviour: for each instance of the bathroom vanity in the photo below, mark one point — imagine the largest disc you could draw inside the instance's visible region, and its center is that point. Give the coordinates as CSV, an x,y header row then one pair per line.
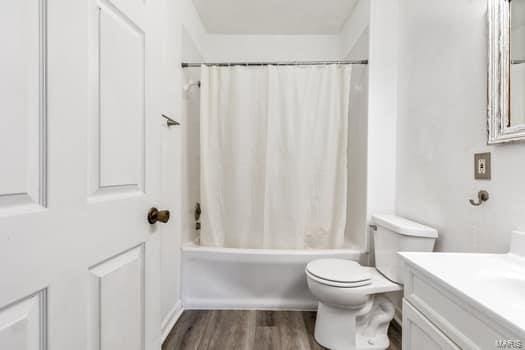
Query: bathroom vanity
x,y
465,301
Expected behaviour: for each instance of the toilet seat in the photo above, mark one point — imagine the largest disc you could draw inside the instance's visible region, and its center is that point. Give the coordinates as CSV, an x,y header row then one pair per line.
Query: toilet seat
x,y
338,273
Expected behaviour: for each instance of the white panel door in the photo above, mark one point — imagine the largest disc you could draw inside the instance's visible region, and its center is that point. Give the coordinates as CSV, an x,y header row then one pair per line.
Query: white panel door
x,y
79,170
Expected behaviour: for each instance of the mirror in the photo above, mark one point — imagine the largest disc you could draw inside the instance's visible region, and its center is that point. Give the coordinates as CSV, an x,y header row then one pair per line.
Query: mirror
x,y
517,63
506,110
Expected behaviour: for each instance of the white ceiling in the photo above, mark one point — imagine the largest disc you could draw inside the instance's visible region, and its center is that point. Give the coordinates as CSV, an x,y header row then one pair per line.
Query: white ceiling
x,y
274,16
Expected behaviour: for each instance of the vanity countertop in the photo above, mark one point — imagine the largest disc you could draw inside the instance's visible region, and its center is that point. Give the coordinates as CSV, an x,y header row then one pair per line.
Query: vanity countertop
x,y
494,284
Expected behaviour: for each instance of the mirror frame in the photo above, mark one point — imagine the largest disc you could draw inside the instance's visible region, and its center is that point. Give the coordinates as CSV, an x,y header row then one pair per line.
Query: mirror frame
x,y
499,76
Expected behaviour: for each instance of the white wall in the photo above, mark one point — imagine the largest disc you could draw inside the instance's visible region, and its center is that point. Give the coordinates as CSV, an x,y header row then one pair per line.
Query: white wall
x,y
218,47
272,47
356,218
382,107
190,142
442,123
193,29
170,178
183,34
191,50
354,28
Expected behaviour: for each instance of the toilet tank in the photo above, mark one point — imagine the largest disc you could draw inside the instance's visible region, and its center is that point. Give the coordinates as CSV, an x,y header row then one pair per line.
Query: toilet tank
x,y
396,234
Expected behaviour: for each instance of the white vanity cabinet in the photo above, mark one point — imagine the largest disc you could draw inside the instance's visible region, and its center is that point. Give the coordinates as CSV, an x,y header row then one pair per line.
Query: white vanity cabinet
x,y
438,316
420,333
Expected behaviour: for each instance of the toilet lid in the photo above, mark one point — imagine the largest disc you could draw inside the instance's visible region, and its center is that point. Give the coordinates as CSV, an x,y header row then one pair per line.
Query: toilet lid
x,y
338,270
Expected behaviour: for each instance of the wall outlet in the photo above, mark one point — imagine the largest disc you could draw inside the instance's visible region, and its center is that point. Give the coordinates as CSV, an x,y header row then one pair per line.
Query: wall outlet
x,y
482,166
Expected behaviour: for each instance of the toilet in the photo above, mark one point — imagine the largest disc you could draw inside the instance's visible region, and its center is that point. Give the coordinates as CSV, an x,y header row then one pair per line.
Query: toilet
x,y
353,311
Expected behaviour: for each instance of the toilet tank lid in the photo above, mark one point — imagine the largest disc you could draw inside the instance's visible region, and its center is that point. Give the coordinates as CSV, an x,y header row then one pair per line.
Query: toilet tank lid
x,y
404,226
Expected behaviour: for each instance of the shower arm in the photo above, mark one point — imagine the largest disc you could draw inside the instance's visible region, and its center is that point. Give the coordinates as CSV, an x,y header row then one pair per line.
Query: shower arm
x,y
191,84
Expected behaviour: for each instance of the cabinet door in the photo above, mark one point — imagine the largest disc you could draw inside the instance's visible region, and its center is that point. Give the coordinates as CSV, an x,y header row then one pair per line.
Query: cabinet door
x,y
420,333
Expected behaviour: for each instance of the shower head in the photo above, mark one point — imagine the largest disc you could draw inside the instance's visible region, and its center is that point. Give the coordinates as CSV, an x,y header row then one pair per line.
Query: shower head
x,y
190,84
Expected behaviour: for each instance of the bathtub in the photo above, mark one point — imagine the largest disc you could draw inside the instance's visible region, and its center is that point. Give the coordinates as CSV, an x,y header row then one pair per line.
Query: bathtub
x,y
225,278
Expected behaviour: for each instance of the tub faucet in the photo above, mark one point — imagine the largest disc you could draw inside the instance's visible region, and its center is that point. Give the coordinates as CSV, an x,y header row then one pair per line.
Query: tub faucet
x,y
198,211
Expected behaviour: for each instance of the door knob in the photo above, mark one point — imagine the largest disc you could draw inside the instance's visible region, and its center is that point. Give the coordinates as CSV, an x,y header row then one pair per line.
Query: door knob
x,y
155,215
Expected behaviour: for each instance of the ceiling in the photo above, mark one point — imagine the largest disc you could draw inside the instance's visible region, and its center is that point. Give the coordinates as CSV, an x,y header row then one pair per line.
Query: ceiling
x,y
274,16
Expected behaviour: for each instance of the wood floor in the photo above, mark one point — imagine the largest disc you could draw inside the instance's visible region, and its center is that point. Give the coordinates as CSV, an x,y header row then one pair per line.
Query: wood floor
x,y
250,330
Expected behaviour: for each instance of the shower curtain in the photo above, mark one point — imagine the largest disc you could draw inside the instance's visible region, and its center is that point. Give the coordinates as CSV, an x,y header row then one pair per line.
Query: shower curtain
x,y
274,156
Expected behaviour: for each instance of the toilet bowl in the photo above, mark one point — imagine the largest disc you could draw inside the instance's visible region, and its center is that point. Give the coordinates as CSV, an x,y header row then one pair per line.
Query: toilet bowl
x,y
344,317
353,311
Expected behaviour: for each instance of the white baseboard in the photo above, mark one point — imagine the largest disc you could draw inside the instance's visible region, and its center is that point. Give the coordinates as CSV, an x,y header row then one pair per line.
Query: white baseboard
x,y
170,320
247,304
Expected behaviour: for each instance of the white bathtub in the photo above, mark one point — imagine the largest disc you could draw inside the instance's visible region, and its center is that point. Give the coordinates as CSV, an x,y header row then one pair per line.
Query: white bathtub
x,y
224,278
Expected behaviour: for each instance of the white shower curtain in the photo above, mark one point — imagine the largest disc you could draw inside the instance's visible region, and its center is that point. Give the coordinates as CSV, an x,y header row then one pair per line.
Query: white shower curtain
x,y
274,156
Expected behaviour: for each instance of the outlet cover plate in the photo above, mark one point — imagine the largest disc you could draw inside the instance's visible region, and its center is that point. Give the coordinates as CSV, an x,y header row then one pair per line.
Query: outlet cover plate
x,y
482,166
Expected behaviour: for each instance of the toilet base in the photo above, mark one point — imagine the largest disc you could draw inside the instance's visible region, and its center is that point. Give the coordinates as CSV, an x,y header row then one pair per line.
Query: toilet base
x,y
355,329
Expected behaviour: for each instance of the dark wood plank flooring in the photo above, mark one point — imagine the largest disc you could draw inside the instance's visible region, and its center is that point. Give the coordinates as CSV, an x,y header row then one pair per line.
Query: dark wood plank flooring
x,y
250,330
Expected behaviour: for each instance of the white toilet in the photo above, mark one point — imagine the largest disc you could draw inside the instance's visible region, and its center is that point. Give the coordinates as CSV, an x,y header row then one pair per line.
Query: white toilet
x,y
353,313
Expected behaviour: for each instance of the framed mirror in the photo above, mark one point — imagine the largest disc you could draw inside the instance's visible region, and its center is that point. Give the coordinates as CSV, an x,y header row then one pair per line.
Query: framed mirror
x,y
506,78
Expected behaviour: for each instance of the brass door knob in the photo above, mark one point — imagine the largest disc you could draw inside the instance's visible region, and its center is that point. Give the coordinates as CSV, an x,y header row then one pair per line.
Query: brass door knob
x,y
155,215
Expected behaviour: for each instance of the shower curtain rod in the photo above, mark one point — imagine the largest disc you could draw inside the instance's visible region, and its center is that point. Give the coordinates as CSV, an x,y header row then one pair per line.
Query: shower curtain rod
x,y
294,63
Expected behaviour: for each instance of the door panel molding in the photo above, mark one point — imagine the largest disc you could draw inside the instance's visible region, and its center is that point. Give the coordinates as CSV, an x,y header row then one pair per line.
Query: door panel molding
x,y
117,318
23,324
117,135
24,185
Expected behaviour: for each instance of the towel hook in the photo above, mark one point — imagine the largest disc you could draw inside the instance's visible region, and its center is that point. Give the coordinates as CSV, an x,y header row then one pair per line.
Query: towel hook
x,y
169,121
483,196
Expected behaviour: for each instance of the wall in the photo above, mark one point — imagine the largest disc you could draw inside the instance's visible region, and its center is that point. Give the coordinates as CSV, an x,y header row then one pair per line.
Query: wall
x,y
190,142
231,48
218,47
356,223
382,108
371,32
184,35
193,28
171,305
355,27
442,123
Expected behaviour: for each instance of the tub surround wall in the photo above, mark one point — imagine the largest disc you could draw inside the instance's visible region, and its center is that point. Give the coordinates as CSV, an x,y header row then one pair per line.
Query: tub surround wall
x,y
442,123
190,142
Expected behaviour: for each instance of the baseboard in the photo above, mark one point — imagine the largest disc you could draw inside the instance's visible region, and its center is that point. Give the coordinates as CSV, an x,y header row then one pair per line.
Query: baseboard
x,y
170,320
246,304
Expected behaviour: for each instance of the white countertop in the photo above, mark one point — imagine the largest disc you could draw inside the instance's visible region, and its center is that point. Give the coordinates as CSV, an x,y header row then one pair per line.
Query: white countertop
x,y
493,283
